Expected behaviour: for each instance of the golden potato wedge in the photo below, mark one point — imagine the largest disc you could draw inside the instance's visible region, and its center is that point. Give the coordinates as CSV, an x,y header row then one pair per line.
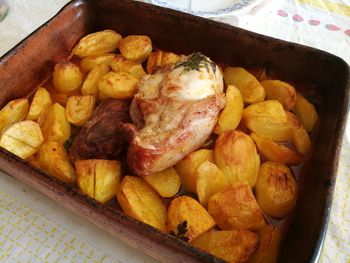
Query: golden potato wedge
x,y
120,64
236,155
41,102
300,138
90,84
97,43
251,89
233,246
186,209
167,182
22,138
53,158
276,189
187,167
99,179
231,115
273,151
236,207
118,85
268,119
281,91
209,180
60,97
67,77
88,63
55,126
160,59
138,200
135,47
269,241
79,109
306,112
14,111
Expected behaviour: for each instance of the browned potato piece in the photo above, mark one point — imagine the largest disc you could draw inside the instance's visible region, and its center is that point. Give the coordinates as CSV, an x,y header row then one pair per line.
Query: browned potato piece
x,y
14,111
187,167
268,119
234,246
55,126
90,84
99,179
236,207
88,63
41,102
97,43
231,115
118,85
79,109
273,151
135,47
276,189
306,112
236,155
53,158
281,91
269,241
167,182
138,200
160,59
120,64
300,137
67,77
186,209
209,180
251,89
22,138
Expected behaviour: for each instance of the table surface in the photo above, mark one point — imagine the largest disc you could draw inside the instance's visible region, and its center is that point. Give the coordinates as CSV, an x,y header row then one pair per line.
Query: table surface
x,y
33,228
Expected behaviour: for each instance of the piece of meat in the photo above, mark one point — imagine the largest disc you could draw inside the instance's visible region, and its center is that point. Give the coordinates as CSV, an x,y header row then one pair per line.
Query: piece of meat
x,y
104,135
175,111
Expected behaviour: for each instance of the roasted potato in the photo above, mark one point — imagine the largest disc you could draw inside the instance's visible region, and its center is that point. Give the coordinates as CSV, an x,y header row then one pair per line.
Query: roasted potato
x,y
14,111
268,119
306,112
300,138
138,200
236,207
231,115
90,84
160,59
55,126
88,63
118,85
236,155
22,138
97,43
187,167
41,102
135,47
167,182
251,89
233,246
281,91
276,189
273,151
52,158
67,77
186,209
209,180
120,64
99,179
269,241
79,109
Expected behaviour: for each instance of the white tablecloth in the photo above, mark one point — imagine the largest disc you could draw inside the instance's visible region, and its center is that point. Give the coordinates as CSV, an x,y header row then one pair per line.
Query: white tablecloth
x,y
34,228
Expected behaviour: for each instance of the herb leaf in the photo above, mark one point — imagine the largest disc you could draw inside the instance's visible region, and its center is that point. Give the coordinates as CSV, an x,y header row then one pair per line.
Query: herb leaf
x,y
181,231
196,61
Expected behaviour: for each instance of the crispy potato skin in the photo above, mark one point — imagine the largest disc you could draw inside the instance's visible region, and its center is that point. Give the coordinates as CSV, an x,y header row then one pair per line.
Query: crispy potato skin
x,y
135,47
90,84
88,63
67,77
306,112
236,207
120,64
281,91
14,111
234,246
160,59
41,102
79,109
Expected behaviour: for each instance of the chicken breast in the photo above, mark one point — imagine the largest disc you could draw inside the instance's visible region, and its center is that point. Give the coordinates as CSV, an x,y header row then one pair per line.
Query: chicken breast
x,y
175,111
